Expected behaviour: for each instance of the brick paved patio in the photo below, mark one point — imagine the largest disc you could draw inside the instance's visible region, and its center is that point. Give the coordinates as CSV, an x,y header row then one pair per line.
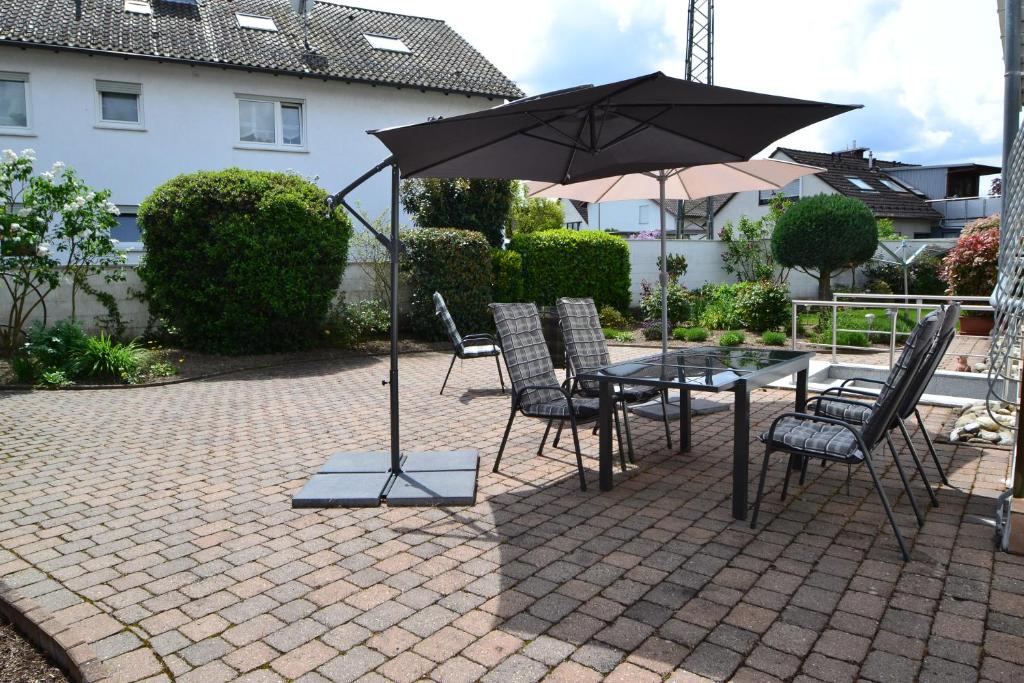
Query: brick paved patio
x,y
151,531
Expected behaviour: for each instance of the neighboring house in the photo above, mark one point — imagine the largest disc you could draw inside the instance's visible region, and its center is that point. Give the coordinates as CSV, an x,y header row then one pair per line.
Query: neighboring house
x,y
916,198
627,217
133,92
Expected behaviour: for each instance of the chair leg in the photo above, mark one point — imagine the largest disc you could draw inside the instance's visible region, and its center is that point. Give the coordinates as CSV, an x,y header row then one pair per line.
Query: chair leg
x,y
544,439
760,487
558,434
508,428
917,461
803,470
579,454
618,432
903,478
888,510
452,365
664,417
931,446
789,471
497,361
629,432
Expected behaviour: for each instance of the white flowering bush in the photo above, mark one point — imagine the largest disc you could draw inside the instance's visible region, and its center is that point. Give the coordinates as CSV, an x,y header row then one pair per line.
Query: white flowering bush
x,y
53,229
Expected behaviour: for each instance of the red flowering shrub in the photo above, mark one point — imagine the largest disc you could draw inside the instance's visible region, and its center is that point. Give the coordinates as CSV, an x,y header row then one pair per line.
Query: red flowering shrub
x,y
969,268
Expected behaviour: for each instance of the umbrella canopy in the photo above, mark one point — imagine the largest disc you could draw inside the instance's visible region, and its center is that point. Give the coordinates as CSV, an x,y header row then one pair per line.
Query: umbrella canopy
x,y
647,123
693,182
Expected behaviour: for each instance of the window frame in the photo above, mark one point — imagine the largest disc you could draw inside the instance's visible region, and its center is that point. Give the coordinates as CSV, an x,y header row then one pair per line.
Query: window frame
x,y
853,180
388,47
278,145
119,88
26,130
892,185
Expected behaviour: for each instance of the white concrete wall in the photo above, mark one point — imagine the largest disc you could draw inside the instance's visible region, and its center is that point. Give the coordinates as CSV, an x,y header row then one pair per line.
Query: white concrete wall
x,y
191,122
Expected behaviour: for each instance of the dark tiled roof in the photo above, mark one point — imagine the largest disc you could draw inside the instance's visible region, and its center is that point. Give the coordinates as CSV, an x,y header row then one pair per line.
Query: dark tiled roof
x,y
208,33
883,201
698,208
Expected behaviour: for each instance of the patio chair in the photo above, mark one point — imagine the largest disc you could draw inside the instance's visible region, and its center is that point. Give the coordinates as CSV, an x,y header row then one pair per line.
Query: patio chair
x,y
536,391
470,346
805,436
586,350
946,334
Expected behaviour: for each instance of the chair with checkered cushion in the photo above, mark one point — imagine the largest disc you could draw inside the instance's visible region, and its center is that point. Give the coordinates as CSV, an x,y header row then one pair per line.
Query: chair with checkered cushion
x,y
536,391
586,350
828,406
470,346
804,436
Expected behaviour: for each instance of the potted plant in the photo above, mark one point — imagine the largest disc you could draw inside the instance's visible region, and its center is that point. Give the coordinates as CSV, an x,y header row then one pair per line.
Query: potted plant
x,y
970,267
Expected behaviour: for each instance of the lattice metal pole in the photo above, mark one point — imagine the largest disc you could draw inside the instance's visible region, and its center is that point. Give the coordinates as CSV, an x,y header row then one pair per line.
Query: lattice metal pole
x,y
700,63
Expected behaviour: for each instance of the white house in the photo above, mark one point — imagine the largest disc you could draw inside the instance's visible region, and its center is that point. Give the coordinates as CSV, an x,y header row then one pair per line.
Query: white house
x,y
133,92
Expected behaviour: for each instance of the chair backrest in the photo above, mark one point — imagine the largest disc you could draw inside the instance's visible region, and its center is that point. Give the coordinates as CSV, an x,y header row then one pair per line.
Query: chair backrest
x,y
584,339
441,311
890,398
943,338
526,353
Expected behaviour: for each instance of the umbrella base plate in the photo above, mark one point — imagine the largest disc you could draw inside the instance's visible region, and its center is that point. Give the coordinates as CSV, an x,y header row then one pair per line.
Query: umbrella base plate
x,y
430,478
698,406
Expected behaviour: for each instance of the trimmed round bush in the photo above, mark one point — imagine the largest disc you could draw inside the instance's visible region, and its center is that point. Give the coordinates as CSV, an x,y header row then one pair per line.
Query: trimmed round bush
x,y
734,338
456,263
824,234
242,261
575,263
774,338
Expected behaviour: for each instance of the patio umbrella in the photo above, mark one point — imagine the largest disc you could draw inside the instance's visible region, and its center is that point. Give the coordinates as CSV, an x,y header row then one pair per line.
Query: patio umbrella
x,y
692,182
641,124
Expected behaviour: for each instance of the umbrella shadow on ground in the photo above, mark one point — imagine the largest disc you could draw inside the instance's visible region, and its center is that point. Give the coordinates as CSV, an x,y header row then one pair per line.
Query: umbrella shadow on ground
x,y
301,368
657,572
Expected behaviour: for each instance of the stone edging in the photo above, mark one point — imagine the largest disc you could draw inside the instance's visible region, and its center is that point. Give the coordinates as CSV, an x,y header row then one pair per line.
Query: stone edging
x,y
62,643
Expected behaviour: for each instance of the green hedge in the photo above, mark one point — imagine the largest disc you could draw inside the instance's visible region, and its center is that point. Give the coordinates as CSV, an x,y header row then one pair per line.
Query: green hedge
x,y
456,263
586,263
508,275
242,261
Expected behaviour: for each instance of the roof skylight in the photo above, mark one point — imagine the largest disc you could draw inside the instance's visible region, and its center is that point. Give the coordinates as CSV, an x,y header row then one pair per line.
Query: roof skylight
x,y
137,6
893,185
388,43
257,22
860,184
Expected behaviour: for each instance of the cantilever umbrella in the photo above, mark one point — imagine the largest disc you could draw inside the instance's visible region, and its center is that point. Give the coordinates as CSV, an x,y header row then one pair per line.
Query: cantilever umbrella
x,y
692,182
641,124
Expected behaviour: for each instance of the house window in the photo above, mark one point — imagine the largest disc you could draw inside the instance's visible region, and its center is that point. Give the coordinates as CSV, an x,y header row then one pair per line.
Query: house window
x,y
119,105
127,229
893,185
860,184
643,215
14,100
269,122
574,225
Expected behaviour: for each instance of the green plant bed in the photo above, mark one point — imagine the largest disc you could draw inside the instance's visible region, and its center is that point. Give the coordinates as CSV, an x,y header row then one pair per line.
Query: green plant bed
x,y
617,335
774,338
690,334
653,332
732,338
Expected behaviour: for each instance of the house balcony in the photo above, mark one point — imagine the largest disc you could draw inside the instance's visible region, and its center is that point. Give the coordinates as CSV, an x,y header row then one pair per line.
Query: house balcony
x,y
958,211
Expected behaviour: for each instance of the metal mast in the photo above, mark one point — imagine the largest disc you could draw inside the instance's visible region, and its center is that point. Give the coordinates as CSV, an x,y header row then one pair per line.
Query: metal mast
x,y
700,43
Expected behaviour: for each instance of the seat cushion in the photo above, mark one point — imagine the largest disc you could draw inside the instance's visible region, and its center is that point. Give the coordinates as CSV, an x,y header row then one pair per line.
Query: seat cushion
x,y
479,351
841,410
559,407
815,438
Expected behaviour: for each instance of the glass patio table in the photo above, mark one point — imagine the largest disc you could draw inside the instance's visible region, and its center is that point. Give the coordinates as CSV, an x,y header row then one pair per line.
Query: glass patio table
x,y
716,369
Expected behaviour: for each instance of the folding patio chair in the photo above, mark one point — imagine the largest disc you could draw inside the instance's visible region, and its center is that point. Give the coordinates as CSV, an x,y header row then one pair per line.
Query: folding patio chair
x,y
804,436
586,350
471,346
946,334
535,388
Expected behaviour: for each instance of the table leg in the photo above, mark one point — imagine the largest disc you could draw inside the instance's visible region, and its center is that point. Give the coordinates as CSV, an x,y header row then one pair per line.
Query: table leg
x,y
605,438
741,449
685,421
797,462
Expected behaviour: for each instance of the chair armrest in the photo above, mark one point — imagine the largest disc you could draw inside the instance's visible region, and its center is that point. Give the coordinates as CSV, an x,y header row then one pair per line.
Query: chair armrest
x,y
855,391
869,380
805,417
831,399
480,337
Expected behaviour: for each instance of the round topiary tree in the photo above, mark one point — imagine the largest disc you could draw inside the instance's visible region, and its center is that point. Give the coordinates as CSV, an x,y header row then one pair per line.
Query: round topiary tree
x,y
823,236
242,261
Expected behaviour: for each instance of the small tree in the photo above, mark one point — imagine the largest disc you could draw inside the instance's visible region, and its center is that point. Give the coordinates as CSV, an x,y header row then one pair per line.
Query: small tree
x,y
533,214
52,228
825,235
748,255
970,268
481,205
886,231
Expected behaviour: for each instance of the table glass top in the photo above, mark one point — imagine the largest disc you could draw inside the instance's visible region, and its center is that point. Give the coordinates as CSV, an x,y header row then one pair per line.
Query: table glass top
x,y
711,367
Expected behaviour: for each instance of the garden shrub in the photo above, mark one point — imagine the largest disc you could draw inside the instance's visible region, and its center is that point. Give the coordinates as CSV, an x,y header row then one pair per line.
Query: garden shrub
x,y
47,349
923,276
611,317
575,263
714,307
348,324
507,266
652,330
617,335
678,302
696,334
481,205
242,261
734,338
676,267
103,358
969,268
850,339
533,214
679,333
456,263
762,305
774,338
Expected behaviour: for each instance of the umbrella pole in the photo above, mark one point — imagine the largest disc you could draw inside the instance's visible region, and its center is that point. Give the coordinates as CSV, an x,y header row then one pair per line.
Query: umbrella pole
x,y
396,457
664,264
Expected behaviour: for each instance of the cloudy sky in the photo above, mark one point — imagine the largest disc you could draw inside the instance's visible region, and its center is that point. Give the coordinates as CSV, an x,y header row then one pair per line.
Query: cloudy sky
x,y
929,72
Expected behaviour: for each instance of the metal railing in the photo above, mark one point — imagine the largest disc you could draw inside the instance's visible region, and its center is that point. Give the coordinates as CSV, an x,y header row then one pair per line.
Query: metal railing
x,y
871,301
